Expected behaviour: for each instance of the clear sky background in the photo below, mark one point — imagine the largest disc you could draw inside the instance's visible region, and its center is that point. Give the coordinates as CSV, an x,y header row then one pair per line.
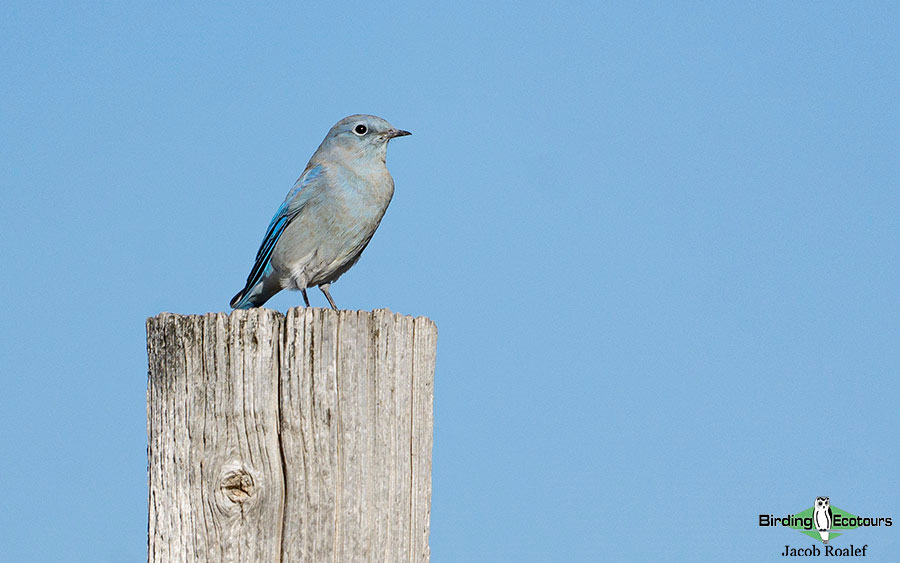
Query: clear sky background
x,y
660,244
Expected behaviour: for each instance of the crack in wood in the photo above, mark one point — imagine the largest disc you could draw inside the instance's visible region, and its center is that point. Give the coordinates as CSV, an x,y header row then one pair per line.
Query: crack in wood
x,y
304,437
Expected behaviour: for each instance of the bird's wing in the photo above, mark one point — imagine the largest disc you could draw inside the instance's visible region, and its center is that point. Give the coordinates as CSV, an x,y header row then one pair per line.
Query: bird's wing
x,y
293,204
830,517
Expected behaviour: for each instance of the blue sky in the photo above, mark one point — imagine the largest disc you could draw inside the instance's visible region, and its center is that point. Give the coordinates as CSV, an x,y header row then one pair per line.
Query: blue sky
x,y
660,243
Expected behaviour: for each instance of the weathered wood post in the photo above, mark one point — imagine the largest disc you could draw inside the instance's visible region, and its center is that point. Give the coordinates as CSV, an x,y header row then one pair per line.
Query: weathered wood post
x,y
298,438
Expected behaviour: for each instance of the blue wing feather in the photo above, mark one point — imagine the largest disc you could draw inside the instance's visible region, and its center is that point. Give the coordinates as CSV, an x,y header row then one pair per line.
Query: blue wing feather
x,y
289,209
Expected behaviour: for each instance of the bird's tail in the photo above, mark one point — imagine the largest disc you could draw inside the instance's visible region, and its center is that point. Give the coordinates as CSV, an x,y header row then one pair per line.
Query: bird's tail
x,y
250,297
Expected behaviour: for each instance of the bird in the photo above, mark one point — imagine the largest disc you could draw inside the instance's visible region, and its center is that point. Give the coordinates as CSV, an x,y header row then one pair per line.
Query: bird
x,y
329,216
823,517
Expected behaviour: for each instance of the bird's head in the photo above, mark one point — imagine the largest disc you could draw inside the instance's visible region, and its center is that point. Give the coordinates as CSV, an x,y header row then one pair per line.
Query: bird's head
x,y
361,136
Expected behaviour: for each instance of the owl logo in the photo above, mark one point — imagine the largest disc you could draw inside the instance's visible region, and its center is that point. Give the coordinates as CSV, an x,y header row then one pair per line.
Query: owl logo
x,y
822,517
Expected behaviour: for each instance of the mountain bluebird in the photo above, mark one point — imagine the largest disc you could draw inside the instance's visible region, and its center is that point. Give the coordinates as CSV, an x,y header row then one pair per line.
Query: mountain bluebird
x,y
329,216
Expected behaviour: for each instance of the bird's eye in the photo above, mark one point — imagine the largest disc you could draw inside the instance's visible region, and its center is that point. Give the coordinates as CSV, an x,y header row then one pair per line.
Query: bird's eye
x,y
360,129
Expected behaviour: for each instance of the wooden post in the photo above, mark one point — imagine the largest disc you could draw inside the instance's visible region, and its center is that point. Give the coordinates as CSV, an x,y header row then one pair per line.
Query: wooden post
x,y
298,438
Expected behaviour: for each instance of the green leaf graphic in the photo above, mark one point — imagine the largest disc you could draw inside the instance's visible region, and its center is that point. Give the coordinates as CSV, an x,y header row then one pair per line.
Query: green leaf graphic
x,y
808,513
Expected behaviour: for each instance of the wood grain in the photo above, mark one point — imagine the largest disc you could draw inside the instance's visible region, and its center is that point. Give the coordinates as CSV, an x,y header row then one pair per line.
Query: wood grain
x,y
298,438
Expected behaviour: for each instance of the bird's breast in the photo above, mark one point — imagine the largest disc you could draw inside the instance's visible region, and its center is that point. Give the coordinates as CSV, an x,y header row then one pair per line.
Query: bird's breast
x,y
365,196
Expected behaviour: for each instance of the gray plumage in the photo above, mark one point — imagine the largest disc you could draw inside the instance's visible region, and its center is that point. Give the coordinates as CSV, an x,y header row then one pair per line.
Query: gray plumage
x,y
329,216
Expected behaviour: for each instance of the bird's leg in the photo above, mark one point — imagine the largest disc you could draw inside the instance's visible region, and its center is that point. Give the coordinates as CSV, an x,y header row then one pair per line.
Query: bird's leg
x,y
324,287
305,298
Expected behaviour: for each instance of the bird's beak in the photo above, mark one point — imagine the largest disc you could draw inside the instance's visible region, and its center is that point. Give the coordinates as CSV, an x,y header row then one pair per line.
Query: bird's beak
x,y
397,133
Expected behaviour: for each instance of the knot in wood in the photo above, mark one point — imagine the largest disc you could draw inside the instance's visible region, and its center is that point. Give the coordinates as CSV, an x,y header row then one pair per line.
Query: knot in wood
x,y
237,485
